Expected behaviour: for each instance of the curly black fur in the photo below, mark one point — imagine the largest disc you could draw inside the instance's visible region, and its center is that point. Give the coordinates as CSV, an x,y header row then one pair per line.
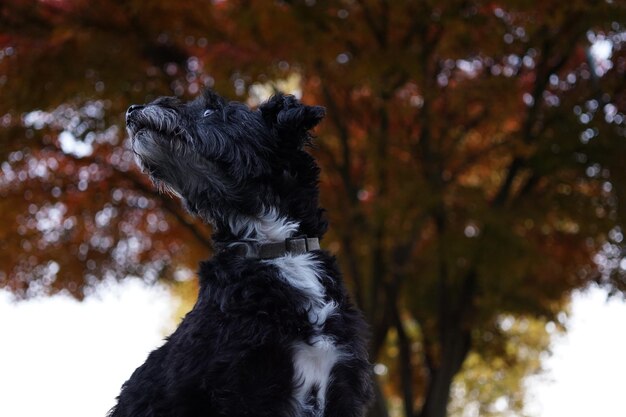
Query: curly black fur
x,y
275,337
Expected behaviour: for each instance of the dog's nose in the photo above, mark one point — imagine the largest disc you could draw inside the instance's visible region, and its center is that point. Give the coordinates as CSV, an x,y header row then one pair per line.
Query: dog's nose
x,y
131,109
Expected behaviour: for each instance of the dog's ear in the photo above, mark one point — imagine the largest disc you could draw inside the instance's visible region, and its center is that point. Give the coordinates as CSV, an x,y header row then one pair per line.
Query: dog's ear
x,y
291,119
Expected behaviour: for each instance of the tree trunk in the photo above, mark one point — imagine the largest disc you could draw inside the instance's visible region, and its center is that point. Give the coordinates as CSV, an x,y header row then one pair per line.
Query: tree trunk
x,y
445,354
454,350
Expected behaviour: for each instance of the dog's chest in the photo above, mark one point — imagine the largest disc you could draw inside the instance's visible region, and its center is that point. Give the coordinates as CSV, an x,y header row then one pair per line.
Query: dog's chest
x,y
313,359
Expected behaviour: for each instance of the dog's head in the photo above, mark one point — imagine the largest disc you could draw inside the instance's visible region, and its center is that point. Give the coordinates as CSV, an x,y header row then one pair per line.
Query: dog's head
x,y
243,170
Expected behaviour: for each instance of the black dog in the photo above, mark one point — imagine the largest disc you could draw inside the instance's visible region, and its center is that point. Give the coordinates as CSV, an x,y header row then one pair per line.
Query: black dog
x,y
273,332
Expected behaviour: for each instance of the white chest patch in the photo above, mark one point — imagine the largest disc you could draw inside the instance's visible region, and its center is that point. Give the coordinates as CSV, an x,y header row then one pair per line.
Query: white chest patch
x,y
302,272
313,364
313,361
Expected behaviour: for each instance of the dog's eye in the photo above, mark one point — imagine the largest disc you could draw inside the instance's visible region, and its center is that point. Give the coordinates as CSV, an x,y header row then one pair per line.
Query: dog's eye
x,y
208,112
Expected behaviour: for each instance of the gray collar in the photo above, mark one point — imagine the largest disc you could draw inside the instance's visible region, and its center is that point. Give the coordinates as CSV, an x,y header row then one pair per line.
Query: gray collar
x,y
290,246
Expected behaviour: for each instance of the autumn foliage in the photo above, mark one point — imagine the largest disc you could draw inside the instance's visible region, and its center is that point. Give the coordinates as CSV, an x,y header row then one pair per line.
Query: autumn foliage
x,y
472,161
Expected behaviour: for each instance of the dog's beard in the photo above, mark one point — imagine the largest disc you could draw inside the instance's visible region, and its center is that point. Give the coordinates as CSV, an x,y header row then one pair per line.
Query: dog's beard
x,y
154,158
192,178
149,150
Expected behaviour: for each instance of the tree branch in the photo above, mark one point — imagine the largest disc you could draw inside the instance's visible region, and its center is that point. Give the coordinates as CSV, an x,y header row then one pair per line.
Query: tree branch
x,y
165,202
171,208
546,67
379,33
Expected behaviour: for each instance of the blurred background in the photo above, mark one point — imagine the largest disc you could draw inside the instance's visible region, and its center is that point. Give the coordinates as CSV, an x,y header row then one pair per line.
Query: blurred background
x,y
472,167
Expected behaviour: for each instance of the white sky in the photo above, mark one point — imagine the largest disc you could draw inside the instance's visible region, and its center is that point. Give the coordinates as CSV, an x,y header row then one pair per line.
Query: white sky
x,y
587,371
59,357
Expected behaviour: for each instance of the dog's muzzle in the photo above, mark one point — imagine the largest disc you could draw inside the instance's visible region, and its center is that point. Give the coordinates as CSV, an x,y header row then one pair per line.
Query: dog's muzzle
x,y
132,109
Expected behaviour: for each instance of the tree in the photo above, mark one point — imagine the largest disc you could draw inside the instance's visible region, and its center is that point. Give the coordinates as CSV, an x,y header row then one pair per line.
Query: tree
x,y
471,154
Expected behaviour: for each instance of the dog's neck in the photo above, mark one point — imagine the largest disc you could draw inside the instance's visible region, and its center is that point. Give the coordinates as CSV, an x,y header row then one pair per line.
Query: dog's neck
x,y
289,247
269,226
266,236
